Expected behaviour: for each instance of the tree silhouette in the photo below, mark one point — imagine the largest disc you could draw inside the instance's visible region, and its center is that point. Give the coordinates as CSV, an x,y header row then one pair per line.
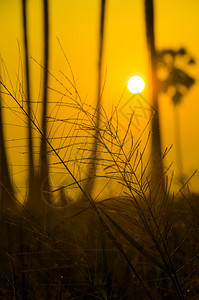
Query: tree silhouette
x,y
157,177
37,180
44,175
6,187
31,179
174,81
93,160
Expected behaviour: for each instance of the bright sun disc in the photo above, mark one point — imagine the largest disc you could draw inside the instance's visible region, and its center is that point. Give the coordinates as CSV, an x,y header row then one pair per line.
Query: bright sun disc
x,y
136,84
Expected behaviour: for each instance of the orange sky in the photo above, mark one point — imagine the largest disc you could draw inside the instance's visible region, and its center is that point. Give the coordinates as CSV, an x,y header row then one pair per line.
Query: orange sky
x,y
75,23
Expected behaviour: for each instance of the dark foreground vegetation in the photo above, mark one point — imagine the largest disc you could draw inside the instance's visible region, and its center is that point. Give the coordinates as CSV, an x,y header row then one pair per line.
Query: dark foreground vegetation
x,y
122,248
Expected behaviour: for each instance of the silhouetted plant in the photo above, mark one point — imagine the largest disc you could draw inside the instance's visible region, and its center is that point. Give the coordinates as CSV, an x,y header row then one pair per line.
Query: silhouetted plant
x,y
44,176
6,184
27,88
92,167
128,246
175,82
157,163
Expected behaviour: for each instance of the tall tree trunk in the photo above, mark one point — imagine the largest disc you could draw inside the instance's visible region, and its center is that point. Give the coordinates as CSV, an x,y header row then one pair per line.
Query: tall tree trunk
x,y
6,187
93,162
179,160
28,96
44,175
157,179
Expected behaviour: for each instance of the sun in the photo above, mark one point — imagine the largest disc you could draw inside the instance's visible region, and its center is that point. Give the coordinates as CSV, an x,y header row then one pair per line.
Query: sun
x,y
136,84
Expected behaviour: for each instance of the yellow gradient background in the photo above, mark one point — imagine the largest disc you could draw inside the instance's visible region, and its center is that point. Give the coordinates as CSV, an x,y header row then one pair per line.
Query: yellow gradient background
x,y
76,24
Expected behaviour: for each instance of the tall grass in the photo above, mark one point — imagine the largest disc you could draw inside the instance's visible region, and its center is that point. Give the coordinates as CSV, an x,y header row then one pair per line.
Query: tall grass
x,y
129,246
127,243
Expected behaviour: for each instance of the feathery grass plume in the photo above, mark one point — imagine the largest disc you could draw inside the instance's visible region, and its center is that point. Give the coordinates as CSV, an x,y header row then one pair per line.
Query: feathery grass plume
x,y
122,246
92,167
31,179
104,138
157,180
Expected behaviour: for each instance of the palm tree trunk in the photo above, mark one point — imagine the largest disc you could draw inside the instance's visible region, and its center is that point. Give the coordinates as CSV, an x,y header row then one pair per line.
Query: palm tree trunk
x,y
179,160
93,163
28,95
44,175
6,187
157,180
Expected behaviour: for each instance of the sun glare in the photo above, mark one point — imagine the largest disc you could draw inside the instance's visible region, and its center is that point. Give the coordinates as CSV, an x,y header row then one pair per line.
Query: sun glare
x,y
136,84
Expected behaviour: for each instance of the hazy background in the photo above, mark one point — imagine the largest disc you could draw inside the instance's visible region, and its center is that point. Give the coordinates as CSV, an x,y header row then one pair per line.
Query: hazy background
x,y
76,24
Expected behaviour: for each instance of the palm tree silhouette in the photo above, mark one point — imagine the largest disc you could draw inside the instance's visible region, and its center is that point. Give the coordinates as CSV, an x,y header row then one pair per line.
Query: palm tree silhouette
x,y
174,81
37,180
157,174
88,187
31,179
44,172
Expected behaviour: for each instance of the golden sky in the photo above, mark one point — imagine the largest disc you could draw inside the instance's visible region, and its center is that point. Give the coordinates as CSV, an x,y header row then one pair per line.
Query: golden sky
x,y
76,24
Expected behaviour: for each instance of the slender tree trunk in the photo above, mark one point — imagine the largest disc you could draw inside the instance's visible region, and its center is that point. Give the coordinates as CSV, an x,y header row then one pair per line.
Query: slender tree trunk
x,y
157,180
179,160
6,187
44,175
93,165
28,96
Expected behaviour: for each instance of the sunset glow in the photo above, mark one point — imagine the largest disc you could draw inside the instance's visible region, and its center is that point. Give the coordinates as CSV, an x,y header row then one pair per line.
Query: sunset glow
x,y
99,122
